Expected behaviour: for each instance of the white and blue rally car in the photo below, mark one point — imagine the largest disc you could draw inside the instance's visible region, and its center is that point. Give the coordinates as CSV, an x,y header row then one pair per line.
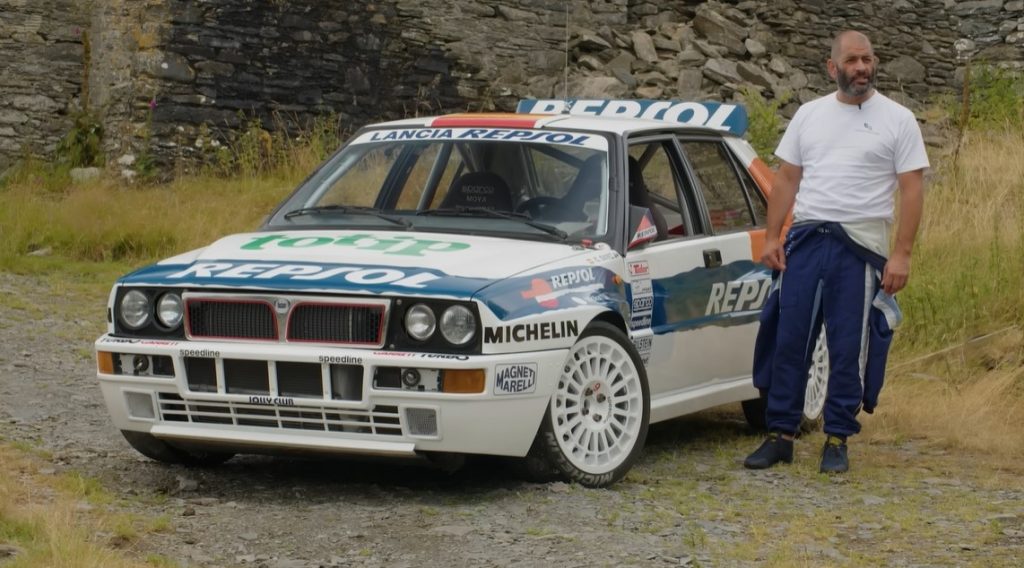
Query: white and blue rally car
x,y
541,285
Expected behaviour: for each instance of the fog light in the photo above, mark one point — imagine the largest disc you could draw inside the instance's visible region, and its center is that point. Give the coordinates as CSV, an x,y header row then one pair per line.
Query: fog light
x,y
463,381
410,377
140,364
140,405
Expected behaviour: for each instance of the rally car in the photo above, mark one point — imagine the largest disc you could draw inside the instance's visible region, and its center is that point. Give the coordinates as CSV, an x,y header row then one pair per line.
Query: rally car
x,y
540,285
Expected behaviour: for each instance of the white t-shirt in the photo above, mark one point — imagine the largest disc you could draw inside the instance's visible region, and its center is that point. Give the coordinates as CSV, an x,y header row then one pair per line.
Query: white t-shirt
x,y
850,157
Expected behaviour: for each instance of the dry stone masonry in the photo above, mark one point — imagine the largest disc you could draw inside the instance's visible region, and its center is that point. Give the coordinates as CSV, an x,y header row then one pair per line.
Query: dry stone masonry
x,y
159,72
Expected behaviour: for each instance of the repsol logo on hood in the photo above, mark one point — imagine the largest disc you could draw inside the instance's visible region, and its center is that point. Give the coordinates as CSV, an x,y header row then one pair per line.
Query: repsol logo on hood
x,y
305,272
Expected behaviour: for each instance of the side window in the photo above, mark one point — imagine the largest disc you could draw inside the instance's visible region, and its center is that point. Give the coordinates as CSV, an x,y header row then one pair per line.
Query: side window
x,y
723,192
660,183
757,199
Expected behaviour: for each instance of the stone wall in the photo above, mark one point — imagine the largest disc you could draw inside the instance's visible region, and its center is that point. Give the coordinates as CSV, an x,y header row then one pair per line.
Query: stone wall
x,y
161,70
41,73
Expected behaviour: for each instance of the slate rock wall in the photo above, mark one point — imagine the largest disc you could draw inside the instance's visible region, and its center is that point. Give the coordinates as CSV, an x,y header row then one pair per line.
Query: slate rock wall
x,y
41,73
158,72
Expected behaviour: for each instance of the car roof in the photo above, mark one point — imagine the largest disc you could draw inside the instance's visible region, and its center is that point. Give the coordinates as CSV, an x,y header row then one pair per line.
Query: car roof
x,y
611,125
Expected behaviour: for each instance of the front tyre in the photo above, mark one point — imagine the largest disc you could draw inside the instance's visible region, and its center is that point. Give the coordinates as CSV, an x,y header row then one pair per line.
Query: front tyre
x,y
596,424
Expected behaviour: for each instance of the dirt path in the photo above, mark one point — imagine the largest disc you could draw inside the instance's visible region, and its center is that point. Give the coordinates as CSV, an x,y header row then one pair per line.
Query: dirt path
x,y
689,502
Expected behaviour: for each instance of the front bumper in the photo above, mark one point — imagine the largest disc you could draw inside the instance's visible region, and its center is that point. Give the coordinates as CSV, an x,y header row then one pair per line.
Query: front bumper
x,y
382,421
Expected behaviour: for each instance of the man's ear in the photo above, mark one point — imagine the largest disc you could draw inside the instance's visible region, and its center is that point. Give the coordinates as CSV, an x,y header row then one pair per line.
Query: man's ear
x,y
832,69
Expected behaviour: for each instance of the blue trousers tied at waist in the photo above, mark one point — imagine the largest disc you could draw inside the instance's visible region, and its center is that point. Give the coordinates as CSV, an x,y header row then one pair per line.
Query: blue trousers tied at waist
x,y
829,280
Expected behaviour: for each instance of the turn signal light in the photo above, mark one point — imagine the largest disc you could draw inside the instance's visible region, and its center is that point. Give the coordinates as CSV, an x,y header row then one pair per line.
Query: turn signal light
x,y
105,362
463,381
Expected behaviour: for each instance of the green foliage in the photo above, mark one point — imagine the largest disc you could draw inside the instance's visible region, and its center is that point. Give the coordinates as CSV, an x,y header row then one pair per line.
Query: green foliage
x,y
765,123
285,146
995,99
81,147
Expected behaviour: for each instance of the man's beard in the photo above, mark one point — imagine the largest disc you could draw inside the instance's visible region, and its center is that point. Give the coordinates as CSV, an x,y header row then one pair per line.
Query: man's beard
x,y
846,85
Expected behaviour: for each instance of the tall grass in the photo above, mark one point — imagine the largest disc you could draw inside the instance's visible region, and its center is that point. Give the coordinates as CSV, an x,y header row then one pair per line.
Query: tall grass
x,y
968,269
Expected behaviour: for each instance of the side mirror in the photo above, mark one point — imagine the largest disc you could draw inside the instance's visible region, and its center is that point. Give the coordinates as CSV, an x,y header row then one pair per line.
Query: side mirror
x,y
642,225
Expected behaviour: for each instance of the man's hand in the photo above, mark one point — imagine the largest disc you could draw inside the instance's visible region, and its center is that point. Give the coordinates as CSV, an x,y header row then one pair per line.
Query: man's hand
x,y
896,273
773,256
784,187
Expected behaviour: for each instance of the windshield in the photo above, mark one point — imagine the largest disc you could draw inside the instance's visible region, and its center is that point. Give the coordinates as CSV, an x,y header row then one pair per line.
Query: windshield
x,y
530,183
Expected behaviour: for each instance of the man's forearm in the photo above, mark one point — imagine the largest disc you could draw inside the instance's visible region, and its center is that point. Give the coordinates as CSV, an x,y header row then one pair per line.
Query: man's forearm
x,y
911,209
784,188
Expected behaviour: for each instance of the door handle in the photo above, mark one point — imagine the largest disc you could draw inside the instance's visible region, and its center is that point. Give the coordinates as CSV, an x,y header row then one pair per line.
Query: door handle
x,y
712,258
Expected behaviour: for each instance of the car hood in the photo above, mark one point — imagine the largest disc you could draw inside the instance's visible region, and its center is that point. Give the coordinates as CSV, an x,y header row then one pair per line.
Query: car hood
x,y
432,264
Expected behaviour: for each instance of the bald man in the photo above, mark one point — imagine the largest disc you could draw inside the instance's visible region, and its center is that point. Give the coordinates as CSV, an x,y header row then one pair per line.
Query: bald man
x,y
842,159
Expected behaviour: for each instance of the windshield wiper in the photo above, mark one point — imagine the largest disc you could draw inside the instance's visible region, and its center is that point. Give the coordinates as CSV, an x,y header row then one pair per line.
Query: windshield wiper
x,y
347,210
484,212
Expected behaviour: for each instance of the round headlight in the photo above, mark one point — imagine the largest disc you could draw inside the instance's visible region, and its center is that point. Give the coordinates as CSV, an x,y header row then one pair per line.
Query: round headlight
x,y
135,309
170,310
458,325
420,322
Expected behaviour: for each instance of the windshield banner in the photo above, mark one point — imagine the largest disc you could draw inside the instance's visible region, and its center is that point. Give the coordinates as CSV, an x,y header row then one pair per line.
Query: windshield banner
x,y
720,116
481,134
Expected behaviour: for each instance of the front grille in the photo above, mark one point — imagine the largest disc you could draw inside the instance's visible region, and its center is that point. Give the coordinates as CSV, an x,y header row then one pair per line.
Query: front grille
x,y
336,323
382,420
359,322
231,319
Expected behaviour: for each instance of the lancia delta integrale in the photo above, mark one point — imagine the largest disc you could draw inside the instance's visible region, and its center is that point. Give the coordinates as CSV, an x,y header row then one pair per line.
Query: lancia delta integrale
x,y
540,285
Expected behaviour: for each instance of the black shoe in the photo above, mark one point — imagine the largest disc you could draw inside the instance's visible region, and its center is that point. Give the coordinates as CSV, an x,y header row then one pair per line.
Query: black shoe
x,y
833,455
773,450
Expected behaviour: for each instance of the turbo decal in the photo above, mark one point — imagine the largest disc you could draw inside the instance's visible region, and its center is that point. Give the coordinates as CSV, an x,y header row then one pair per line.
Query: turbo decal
x,y
518,378
526,332
399,245
497,134
732,118
152,342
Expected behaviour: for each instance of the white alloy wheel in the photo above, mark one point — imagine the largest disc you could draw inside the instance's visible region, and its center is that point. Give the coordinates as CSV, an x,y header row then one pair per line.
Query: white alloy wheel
x,y
817,380
597,420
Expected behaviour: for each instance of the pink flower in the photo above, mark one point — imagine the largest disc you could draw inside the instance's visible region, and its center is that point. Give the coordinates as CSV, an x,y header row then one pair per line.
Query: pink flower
x,y
152,103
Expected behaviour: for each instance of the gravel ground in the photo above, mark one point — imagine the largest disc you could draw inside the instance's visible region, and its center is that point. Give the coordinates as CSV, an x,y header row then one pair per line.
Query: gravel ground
x,y
688,502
